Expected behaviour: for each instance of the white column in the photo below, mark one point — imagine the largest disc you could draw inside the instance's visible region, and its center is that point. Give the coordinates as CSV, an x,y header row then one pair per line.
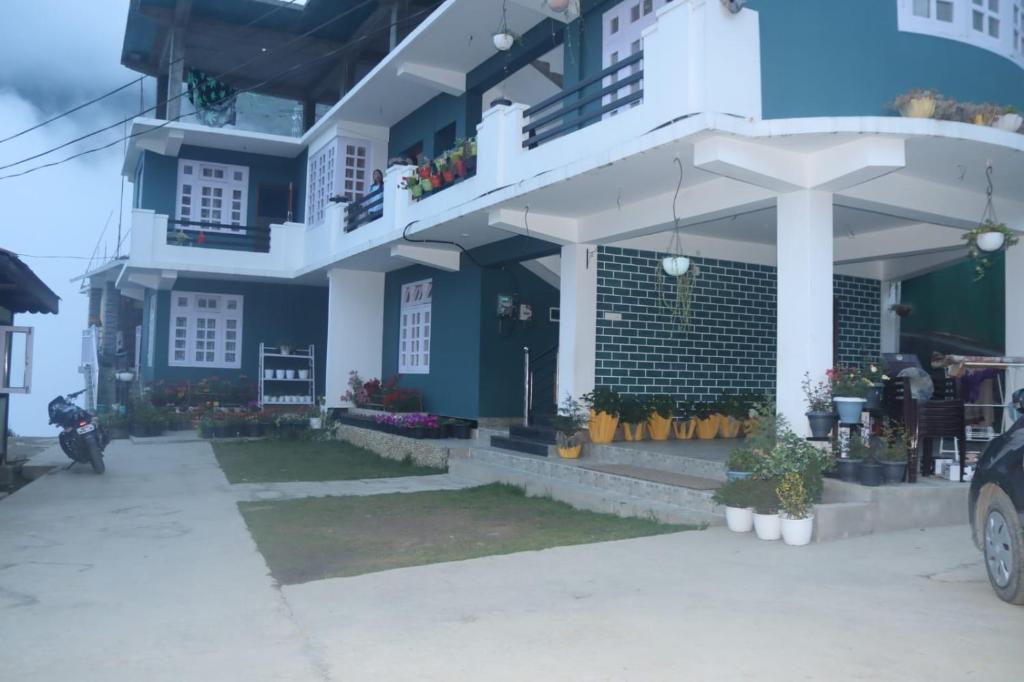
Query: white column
x,y
804,253
577,328
175,75
1014,308
890,322
355,329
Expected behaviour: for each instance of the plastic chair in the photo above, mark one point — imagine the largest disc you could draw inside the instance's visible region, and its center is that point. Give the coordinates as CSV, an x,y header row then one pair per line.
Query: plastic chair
x,y
941,419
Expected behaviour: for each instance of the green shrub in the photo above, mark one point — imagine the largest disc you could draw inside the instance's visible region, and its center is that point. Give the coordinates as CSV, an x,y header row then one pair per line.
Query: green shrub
x,y
741,493
742,459
632,410
603,399
663,404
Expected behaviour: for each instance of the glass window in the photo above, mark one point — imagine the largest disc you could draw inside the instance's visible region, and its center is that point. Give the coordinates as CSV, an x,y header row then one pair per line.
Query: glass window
x,y
209,325
414,328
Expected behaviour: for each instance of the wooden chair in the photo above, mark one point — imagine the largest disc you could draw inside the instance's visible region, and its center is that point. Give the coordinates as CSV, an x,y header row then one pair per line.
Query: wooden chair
x,y
940,419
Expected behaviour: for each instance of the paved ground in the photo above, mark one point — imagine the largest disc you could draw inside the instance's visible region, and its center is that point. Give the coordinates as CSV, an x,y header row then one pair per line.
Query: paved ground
x,y
148,573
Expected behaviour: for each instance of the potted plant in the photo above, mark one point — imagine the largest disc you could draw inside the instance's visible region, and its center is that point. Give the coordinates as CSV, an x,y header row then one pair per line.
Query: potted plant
x,y
252,427
1009,120
604,405
873,374
659,416
848,391
632,415
737,497
894,452
205,426
684,425
290,425
741,464
707,420
988,237
820,415
568,425
796,519
918,103
732,411
767,523
848,462
116,425
869,471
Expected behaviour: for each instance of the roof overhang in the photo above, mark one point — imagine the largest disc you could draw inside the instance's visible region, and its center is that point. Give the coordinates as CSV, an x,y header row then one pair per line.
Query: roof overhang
x,y
21,291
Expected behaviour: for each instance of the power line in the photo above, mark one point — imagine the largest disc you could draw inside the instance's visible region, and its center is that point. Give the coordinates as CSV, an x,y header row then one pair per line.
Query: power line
x,y
242,91
180,95
116,90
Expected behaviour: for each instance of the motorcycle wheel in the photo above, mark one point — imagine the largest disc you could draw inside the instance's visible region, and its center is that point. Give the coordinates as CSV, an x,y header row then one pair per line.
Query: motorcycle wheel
x,y
66,445
95,455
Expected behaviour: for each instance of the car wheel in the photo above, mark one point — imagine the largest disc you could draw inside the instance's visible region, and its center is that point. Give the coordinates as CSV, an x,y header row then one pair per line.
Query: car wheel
x,y
1004,548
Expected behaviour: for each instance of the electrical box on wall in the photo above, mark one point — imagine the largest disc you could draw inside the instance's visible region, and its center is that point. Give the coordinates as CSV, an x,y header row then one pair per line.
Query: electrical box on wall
x,y
506,307
525,312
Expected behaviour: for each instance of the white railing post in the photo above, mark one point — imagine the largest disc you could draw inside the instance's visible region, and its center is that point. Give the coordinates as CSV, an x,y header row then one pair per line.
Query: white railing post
x,y
499,139
396,200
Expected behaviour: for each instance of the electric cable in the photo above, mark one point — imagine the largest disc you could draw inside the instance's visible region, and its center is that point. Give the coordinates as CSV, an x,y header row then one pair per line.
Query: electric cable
x,y
118,89
242,91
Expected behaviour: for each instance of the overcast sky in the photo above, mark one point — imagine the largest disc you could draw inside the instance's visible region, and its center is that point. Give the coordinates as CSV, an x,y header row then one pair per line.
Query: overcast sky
x,y
55,54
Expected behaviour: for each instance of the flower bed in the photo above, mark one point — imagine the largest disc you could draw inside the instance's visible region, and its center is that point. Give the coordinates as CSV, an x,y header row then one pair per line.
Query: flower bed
x,y
412,425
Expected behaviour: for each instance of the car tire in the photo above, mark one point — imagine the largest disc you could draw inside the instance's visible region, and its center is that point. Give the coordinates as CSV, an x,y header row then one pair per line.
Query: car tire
x,y
1003,548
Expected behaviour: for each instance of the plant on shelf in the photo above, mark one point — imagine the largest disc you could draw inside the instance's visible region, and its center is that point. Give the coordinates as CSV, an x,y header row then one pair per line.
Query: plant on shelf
x,y
285,347
660,409
633,415
987,238
605,406
918,103
797,521
820,410
849,392
568,425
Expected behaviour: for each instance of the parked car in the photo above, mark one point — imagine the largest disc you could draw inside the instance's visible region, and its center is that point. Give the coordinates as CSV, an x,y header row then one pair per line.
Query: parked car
x,y
996,509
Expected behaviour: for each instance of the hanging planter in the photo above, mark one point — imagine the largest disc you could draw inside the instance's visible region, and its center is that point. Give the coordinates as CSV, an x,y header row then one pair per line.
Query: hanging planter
x,y
990,236
559,5
675,266
503,41
675,278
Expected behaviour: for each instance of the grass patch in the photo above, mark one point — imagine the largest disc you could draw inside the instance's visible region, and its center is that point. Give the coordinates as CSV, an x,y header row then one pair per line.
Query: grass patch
x,y
273,461
327,537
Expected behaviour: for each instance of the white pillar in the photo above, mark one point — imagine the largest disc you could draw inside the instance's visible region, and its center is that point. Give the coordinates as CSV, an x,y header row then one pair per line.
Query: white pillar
x,y
889,325
1014,310
577,327
804,254
355,329
175,75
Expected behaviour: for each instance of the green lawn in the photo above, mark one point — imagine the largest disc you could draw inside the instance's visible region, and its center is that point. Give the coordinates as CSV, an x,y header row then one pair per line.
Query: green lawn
x,y
316,538
271,461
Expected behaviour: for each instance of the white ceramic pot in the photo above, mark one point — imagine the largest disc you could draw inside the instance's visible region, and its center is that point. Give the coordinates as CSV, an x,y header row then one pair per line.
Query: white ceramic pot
x,y
739,520
124,376
291,374
675,266
991,241
268,374
314,423
280,373
504,41
797,532
303,373
1010,122
768,526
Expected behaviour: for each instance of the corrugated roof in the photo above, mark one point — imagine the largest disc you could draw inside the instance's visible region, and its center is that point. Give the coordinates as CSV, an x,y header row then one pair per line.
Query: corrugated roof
x,y
21,291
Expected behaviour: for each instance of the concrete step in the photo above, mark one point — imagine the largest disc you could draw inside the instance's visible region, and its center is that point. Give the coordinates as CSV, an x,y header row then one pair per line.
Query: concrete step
x,y
527,447
591,489
656,458
539,434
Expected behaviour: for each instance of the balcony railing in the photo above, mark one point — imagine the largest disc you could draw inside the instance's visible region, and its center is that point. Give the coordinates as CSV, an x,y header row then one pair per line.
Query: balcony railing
x,y
251,238
365,209
544,124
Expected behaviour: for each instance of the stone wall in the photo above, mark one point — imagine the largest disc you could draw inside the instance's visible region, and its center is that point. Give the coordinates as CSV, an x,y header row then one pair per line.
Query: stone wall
x,y
425,452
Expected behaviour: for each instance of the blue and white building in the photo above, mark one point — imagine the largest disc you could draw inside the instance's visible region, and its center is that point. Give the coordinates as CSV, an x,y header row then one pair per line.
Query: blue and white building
x,y
764,135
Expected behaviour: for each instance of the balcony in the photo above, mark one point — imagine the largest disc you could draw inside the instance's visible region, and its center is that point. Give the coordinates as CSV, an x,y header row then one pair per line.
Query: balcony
x,y
251,238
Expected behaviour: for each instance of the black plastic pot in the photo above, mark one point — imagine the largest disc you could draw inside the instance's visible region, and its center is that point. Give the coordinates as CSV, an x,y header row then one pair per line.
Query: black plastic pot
x,y
894,472
821,423
253,429
433,432
874,398
415,432
464,431
871,473
848,469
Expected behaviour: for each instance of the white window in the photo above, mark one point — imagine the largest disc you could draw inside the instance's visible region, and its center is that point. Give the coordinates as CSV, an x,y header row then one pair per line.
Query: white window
x,y
414,328
212,194
16,355
205,330
622,32
994,25
339,168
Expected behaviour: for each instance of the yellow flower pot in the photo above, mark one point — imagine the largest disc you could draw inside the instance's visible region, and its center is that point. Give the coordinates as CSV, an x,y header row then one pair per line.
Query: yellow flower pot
x,y
684,429
659,427
708,428
750,425
919,107
633,431
730,428
571,452
602,427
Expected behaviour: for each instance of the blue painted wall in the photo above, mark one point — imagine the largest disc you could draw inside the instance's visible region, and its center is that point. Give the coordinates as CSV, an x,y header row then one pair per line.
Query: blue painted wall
x,y
156,183
475,371
271,313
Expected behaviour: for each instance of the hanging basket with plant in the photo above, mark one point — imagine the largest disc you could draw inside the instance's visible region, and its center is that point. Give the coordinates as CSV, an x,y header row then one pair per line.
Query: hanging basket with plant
x,y
990,236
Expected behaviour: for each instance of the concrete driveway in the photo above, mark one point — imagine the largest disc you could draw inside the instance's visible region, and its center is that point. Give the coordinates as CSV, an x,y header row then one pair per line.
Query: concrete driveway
x,y
148,573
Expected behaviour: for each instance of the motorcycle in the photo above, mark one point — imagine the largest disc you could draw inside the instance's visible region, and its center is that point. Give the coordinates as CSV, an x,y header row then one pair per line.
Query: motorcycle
x,y
82,438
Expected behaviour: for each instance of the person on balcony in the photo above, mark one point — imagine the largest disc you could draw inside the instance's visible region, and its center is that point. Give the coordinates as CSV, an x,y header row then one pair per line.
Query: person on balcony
x,y
376,194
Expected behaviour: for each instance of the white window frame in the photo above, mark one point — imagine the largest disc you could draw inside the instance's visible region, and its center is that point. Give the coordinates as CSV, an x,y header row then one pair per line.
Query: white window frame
x,y
334,170
414,320
6,332
197,312
1010,13
198,177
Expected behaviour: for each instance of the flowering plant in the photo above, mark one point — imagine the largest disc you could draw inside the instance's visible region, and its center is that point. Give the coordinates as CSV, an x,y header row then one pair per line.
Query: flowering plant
x,y
818,394
873,372
409,421
362,393
848,382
